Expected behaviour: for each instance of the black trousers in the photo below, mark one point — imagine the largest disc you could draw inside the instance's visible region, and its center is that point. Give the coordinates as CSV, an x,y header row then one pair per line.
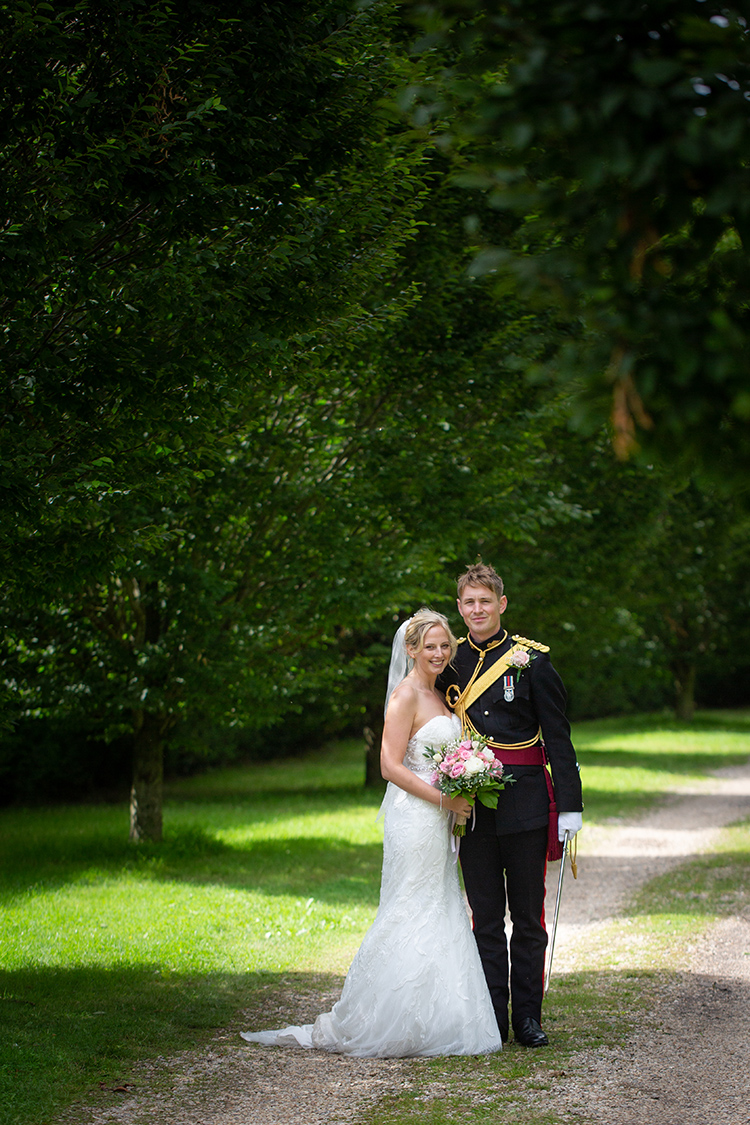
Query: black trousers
x,y
508,869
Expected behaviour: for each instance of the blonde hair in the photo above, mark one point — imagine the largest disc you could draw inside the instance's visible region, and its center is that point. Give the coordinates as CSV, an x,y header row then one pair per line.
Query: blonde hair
x,y
480,574
421,623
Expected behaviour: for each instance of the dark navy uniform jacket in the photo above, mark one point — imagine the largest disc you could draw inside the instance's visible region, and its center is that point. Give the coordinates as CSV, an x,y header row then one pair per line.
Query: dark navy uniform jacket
x,y
538,702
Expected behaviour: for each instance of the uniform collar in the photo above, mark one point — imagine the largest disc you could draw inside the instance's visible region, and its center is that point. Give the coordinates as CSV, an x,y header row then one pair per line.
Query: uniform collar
x,y
491,642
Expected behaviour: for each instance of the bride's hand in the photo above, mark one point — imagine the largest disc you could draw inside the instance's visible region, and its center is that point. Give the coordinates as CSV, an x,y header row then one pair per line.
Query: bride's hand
x,y
458,805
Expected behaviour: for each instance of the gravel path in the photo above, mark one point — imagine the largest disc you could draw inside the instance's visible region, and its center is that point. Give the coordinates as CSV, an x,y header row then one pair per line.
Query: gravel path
x,y
618,858
689,1066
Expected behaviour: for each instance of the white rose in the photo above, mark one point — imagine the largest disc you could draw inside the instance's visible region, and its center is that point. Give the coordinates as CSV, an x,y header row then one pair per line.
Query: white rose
x,y
475,765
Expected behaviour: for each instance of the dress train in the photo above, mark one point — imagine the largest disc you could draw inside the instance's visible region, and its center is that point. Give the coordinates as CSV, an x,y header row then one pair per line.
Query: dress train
x,y
416,986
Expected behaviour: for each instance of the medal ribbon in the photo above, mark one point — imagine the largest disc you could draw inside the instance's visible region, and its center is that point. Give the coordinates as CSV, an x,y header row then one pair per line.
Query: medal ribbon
x,y
477,685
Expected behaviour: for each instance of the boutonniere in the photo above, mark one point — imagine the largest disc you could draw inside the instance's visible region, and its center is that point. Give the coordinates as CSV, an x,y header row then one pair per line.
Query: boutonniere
x,y
521,659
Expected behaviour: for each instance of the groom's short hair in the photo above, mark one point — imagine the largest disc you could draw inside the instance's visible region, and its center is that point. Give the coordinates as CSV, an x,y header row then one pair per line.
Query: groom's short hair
x,y
480,574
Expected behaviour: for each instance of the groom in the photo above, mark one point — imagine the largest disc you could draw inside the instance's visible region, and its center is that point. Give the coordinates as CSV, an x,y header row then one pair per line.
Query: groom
x,y
518,707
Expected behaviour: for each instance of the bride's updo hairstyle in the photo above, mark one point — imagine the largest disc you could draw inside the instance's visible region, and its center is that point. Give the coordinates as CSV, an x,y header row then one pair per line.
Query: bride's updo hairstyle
x,y
421,623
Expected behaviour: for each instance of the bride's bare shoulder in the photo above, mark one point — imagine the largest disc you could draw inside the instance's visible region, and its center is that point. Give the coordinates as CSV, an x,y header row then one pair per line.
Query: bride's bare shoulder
x,y
405,690
403,703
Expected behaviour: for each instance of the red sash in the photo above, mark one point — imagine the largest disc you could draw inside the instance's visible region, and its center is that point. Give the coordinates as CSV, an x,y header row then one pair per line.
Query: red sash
x,y
527,756
536,756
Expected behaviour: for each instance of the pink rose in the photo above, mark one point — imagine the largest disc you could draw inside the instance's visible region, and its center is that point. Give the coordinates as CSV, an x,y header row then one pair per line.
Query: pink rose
x,y
520,659
466,745
458,770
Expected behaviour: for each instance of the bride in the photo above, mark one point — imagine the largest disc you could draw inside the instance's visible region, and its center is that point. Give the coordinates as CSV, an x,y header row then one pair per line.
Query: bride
x,y
416,985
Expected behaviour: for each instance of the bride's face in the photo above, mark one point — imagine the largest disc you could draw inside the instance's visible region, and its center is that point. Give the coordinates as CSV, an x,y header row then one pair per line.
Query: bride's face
x,y
434,654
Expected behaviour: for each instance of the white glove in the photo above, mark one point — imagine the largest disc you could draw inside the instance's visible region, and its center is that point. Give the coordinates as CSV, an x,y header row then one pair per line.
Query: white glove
x,y
570,822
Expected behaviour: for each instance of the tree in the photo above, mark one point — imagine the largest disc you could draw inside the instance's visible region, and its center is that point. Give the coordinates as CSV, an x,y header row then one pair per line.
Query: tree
x,y
200,198
641,596
690,584
306,531
195,193
340,500
614,139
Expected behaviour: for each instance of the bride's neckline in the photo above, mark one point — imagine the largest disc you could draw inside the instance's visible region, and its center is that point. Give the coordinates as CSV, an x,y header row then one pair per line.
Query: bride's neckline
x,y
448,715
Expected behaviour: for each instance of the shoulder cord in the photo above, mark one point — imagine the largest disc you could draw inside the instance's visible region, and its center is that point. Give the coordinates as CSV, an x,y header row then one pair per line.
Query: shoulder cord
x,y
463,714
482,653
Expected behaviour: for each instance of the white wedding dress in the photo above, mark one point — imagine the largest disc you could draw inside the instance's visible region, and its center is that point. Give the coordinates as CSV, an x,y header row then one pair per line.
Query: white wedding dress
x,y
416,985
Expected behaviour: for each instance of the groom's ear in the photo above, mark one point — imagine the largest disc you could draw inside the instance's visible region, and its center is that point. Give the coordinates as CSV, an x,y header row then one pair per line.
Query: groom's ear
x,y
503,603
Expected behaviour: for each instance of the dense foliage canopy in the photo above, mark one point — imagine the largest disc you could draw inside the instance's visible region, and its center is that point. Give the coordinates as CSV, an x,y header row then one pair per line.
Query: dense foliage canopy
x,y
272,375
614,138
199,197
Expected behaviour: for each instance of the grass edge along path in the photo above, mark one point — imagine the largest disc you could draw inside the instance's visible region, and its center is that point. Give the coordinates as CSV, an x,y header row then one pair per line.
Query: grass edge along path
x,y
627,977
96,985
631,966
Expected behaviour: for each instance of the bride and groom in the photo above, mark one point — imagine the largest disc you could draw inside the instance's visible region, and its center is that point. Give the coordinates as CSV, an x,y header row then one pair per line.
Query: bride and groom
x,y
423,983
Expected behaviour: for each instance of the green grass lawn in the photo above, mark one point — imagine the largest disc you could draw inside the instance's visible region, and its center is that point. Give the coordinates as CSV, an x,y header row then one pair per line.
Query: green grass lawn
x,y
629,764
111,952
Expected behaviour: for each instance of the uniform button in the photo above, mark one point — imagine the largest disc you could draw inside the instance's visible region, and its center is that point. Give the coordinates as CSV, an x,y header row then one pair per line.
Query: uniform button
x,y
486,712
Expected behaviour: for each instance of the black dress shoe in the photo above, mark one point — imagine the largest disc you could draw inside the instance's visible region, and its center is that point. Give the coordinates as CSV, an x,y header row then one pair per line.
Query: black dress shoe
x,y
528,1033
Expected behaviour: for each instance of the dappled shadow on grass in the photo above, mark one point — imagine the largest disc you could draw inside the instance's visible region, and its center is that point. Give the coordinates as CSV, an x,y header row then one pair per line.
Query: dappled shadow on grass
x,y
66,1031
601,804
647,778
332,870
589,1009
662,761
249,786
74,1029
732,722
711,885
599,1063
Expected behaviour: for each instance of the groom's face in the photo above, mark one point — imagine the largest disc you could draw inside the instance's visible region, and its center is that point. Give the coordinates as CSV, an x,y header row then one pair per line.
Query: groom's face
x,y
481,610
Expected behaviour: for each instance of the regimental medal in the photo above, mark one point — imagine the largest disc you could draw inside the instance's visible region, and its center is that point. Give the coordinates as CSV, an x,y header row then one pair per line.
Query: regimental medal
x,y
509,688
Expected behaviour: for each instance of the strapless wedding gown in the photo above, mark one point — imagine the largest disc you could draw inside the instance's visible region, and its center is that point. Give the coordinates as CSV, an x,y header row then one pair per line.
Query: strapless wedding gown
x,y
416,985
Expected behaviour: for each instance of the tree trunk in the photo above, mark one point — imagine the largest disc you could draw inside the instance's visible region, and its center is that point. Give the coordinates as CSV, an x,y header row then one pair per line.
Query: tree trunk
x,y
148,777
684,682
373,737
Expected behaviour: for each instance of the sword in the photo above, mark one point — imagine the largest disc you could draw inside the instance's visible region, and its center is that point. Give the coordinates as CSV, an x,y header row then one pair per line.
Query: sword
x,y
557,913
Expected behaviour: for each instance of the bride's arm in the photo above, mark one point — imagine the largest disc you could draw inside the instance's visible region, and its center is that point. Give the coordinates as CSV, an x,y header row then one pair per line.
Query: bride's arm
x,y
398,724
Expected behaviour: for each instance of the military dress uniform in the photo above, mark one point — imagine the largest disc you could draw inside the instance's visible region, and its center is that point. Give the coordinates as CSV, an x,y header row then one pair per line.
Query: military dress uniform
x,y
504,856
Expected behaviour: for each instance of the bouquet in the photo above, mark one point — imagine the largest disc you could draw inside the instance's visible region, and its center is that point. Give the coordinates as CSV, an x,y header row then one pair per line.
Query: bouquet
x,y
467,767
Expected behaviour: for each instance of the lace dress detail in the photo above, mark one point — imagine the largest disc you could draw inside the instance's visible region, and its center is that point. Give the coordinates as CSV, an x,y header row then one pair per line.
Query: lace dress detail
x,y
416,985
